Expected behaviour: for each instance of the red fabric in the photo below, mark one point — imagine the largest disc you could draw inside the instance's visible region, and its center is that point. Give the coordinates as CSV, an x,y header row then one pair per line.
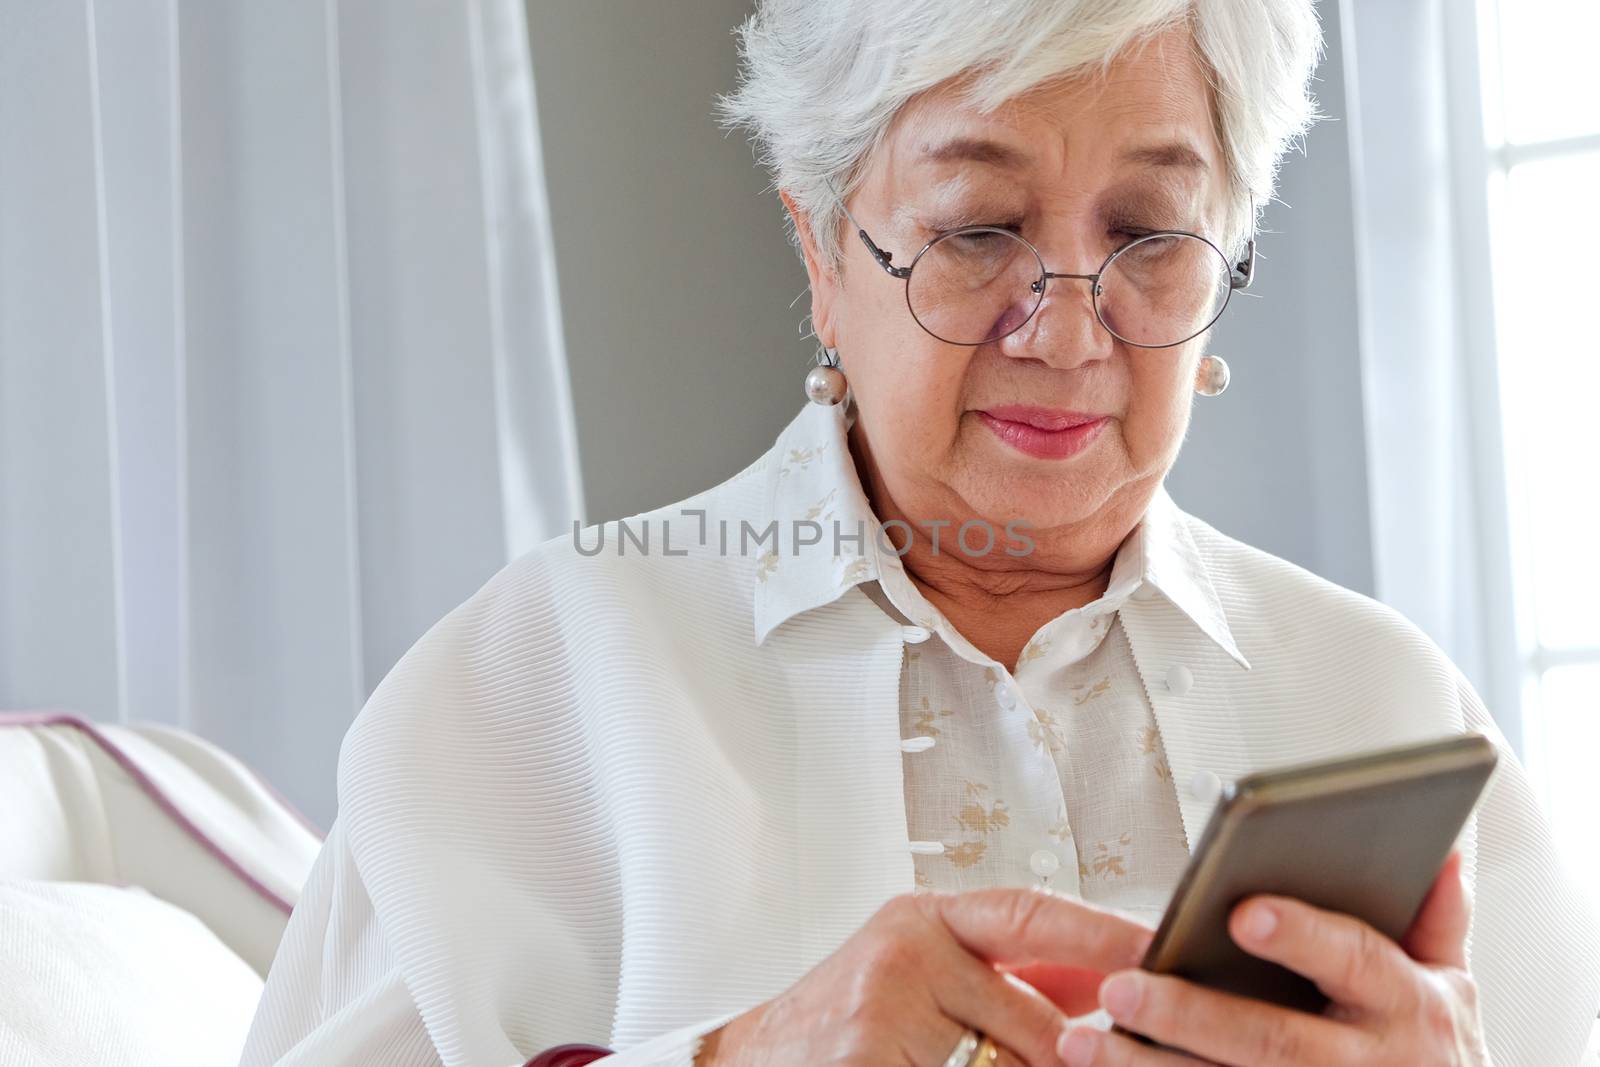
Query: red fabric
x,y
568,1056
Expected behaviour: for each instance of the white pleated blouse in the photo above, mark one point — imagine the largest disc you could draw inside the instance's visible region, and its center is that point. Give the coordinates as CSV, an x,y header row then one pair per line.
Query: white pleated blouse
x,y
634,787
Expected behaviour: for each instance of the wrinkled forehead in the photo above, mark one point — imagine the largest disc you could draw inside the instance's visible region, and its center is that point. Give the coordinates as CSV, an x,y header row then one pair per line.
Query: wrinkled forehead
x,y
1150,116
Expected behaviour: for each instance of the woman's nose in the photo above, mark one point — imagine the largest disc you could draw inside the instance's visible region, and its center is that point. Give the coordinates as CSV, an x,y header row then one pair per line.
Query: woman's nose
x,y
1064,331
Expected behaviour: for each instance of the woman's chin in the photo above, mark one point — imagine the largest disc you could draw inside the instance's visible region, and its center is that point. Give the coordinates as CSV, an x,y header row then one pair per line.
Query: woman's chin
x,y
1006,485
1033,502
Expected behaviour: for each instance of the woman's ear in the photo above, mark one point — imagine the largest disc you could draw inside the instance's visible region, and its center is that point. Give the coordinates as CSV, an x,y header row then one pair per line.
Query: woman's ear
x,y
824,283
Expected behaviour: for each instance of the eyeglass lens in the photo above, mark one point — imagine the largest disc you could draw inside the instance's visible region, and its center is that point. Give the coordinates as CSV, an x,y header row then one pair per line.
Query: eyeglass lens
x,y
976,285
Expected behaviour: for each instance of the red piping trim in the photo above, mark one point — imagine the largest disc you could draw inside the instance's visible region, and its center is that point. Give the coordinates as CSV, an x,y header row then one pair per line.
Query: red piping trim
x,y
568,1056
161,800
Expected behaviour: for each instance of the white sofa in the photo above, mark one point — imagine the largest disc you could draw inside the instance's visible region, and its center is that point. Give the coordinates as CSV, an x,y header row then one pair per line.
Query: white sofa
x,y
145,880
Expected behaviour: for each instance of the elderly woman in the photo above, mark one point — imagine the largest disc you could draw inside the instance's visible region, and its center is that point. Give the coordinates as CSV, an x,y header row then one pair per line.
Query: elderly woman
x,y
776,775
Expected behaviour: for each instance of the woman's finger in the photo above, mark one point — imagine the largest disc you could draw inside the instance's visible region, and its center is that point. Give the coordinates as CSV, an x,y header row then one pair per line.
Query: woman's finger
x,y
1088,1047
973,993
1353,964
1075,990
1227,1028
935,1046
1019,927
1438,934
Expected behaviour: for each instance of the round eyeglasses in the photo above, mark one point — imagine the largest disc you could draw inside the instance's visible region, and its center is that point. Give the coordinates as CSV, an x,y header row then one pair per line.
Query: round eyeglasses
x,y
976,284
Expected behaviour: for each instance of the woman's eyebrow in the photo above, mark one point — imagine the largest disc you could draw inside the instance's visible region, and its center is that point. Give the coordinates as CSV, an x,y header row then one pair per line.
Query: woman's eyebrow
x,y
976,150
1177,154
1172,154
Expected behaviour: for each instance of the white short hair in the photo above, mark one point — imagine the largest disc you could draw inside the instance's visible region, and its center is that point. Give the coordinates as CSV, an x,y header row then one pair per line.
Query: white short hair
x,y
822,80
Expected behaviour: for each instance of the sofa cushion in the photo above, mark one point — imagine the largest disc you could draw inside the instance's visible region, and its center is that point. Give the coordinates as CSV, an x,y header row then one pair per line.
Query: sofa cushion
x,y
155,807
99,974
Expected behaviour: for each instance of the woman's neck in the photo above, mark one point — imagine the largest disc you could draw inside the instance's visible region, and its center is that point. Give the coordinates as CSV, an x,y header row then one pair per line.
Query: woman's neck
x,y
1000,610
995,600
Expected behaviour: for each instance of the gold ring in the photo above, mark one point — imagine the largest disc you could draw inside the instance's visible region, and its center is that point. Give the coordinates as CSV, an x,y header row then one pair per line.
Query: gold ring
x,y
988,1053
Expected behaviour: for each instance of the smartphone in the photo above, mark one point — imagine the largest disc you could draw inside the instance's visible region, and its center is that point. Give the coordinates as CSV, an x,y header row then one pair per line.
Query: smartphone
x,y
1365,836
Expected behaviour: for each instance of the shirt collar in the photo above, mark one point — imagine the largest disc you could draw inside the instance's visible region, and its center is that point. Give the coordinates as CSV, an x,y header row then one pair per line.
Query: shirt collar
x,y
813,494
826,536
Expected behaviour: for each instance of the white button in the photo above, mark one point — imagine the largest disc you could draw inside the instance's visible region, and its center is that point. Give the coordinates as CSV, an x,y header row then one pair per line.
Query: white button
x,y
1044,863
916,634
1145,591
928,848
1179,680
916,744
1205,786
1006,697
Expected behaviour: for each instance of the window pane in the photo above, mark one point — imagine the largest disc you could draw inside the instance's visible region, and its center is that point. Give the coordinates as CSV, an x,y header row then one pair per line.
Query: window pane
x,y
1549,286
1564,769
1547,68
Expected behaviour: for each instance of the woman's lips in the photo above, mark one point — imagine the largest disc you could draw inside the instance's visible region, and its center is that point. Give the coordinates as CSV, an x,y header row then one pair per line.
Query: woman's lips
x,y
1048,433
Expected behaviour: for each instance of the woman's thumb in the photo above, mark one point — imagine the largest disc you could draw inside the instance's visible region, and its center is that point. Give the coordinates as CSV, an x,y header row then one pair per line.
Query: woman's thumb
x,y
1439,932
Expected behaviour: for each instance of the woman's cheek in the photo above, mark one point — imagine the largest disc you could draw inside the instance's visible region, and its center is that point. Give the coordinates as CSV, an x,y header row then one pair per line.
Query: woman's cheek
x,y
1179,406
1141,434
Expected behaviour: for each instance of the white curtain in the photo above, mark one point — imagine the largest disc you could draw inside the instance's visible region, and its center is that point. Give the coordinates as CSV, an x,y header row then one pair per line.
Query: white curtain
x,y
281,371
1436,547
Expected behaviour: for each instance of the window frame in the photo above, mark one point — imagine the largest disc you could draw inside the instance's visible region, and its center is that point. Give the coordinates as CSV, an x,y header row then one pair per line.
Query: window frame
x,y
1516,659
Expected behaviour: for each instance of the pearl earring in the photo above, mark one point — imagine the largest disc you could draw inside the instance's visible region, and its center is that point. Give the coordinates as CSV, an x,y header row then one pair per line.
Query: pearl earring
x,y
825,384
1211,377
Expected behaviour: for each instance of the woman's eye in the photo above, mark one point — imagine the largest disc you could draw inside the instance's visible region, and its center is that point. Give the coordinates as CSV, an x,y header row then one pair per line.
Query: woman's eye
x,y
1014,226
1009,227
981,239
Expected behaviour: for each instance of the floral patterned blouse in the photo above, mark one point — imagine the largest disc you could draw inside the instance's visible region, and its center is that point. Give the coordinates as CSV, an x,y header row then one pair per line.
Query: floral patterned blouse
x,y
1052,774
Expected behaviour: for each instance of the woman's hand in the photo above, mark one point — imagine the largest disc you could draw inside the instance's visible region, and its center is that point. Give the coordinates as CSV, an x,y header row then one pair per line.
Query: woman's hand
x,y
903,988
1411,1004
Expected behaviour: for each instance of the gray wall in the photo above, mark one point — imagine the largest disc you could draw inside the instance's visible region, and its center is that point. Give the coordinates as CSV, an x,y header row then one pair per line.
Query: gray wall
x,y
674,273
1280,459
676,283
